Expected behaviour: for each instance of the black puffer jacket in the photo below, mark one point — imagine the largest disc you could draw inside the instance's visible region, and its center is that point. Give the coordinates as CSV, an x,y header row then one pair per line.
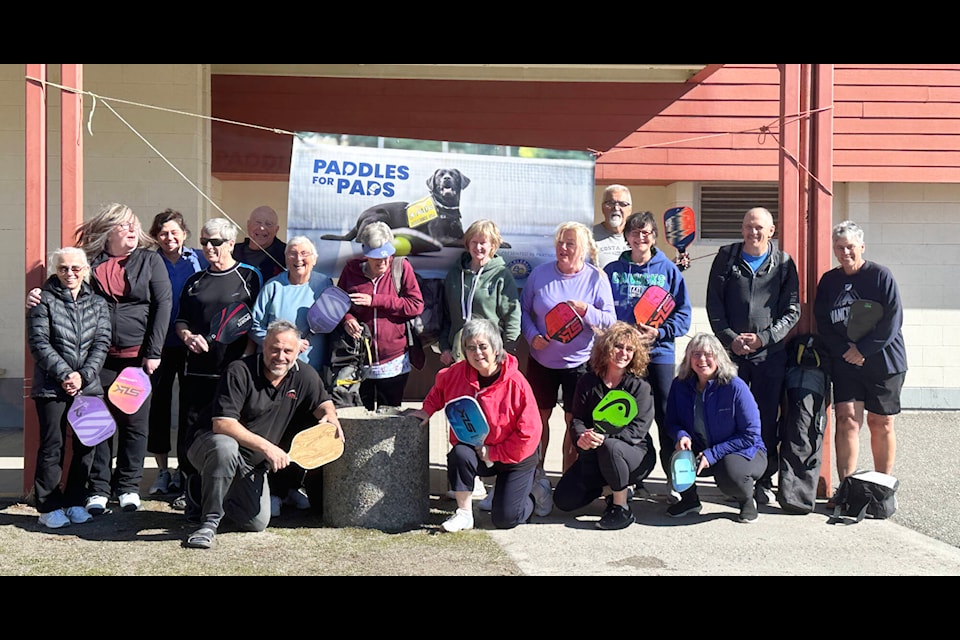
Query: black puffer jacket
x,y
67,335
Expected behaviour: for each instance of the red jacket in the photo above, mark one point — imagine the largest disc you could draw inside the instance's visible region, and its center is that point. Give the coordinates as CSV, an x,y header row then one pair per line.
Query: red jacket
x,y
389,311
508,404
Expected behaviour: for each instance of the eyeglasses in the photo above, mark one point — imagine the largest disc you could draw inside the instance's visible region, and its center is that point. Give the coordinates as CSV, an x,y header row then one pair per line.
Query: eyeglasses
x,y
214,241
616,203
641,233
67,268
696,355
303,255
125,226
478,347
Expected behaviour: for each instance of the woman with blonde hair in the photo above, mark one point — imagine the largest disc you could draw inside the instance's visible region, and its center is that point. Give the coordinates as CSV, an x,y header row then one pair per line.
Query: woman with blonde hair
x,y
126,271
573,278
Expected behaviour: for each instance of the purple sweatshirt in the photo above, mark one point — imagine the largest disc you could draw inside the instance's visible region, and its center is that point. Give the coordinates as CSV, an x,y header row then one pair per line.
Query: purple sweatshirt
x,y
545,288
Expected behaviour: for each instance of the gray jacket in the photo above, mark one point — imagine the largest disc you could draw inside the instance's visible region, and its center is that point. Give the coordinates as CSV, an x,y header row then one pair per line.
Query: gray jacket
x,y
766,302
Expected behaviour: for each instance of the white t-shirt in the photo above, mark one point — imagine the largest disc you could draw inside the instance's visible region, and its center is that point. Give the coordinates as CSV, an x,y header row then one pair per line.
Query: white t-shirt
x,y
609,245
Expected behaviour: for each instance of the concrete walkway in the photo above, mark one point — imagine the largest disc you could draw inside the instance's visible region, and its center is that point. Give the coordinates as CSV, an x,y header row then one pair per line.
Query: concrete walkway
x,y
922,539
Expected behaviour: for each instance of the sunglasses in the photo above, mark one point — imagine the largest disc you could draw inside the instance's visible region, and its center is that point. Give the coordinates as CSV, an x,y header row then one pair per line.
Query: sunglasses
x,y
616,203
214,241
65,269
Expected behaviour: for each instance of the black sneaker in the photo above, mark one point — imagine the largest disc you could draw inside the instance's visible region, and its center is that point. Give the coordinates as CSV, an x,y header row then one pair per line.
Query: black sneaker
x,y
763,493
688,504
748,511
616,517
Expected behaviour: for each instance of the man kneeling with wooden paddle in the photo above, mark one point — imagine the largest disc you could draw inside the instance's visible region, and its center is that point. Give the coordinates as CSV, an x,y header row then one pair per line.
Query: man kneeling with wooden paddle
x,y
261,400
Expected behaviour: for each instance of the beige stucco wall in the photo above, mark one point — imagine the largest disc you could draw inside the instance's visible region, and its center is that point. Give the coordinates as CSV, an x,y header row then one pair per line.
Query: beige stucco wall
x,y
912,228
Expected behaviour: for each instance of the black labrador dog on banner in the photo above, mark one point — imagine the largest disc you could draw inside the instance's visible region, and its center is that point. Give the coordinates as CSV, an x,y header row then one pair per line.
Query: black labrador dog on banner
x,y
437,215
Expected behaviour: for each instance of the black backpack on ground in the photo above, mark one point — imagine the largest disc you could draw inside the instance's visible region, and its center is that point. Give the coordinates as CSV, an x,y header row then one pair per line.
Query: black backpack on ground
x,y
802,423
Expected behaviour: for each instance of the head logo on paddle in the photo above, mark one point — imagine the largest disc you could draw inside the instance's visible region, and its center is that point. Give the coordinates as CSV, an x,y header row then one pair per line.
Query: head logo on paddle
x,y
230,324
615,411
563,323
654,306
90,419
130,390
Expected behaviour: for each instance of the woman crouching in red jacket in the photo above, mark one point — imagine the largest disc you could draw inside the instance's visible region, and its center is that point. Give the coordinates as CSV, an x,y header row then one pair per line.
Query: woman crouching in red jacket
x,y
511,449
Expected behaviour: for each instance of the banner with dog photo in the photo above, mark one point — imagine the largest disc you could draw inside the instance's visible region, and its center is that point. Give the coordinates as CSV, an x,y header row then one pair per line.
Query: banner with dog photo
x,y
429,192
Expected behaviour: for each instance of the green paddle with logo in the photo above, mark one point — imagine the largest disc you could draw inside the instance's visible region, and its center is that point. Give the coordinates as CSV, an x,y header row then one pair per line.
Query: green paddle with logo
x,y
615,411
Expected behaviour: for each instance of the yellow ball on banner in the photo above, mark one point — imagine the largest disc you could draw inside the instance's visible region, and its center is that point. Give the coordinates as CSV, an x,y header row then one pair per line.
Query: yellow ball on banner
x,y
402,245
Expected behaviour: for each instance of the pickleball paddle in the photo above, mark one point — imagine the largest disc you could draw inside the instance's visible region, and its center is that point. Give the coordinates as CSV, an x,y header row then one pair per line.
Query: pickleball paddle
x,y
654,306
467,420
328,310
680,230
683,470
615,411
863,318
316,446
563,323
130,390
90,419
233,322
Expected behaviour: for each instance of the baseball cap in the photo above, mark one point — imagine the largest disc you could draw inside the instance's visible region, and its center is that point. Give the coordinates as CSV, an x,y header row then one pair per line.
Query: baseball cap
x,y
384,251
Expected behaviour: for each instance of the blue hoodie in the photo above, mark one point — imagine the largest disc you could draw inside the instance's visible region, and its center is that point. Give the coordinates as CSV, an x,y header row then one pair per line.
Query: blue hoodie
x,y
629,280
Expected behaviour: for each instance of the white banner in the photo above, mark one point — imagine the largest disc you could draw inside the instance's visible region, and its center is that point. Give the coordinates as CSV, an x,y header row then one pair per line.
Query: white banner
x,y
336,189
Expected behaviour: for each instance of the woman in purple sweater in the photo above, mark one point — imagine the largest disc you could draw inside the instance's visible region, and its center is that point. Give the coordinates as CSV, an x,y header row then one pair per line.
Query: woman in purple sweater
x,y
574,278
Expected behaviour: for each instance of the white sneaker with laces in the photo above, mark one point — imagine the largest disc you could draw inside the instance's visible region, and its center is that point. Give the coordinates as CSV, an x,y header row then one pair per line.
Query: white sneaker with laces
x,y
487,503
462,520
274,506
297,499
129,501
542,497
162,484
78,515
54,519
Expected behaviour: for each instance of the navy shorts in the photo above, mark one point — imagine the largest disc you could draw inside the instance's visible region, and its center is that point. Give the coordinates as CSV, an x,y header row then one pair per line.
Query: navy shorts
x,y
546,383
880,396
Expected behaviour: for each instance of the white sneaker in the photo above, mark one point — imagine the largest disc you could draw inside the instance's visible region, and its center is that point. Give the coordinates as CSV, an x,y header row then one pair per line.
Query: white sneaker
x,y
57,519
78,515
462,520
274,506
96,505
297,499
542,497
129,501
162,484
487,503
479,489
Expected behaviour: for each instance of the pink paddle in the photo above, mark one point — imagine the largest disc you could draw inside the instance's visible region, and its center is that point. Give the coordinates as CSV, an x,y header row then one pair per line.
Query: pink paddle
x,y
130,390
